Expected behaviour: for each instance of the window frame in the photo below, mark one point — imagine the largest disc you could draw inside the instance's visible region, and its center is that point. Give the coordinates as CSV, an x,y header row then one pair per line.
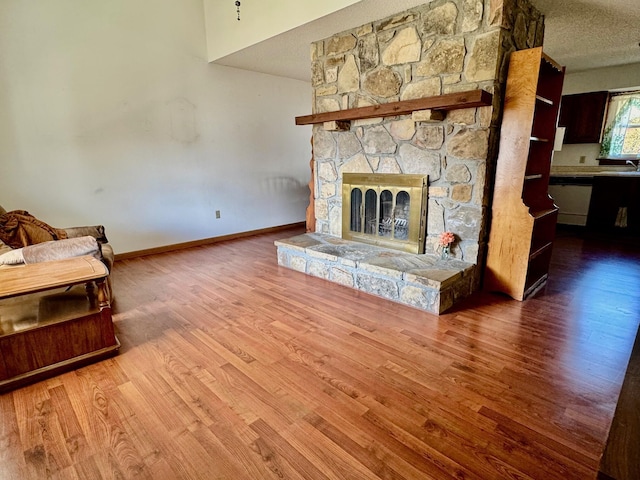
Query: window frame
x,y
610,121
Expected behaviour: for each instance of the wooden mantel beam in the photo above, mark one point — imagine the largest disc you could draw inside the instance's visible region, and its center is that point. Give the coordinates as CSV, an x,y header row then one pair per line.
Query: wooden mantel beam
x,y
449,101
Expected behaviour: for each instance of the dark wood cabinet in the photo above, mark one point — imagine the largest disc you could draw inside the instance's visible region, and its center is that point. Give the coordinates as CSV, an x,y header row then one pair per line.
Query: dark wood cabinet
x,y
615,205
583,115
54,316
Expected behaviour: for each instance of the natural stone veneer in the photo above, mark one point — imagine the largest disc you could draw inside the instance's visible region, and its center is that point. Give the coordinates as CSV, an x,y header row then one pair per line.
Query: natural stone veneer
x,y
421,281
443,46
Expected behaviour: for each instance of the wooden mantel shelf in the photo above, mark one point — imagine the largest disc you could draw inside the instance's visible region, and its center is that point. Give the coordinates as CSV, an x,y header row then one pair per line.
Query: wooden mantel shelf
x,y
449,101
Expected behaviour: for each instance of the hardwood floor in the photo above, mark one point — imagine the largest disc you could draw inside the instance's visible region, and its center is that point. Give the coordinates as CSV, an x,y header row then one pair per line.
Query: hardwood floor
x,y
234,368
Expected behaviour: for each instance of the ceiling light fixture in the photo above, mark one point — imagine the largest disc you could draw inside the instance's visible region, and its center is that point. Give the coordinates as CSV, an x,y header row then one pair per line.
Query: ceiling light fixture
x,y
238,8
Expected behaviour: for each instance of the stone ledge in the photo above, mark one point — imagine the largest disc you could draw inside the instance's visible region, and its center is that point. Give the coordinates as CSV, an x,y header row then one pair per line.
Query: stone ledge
x,y
421,281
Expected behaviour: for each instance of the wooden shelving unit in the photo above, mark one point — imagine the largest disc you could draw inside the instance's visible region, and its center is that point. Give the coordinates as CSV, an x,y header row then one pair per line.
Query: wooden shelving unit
x,y
523,215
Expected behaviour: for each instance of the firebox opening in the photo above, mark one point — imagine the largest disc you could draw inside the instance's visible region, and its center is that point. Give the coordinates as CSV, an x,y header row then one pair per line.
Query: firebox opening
x,y
385,209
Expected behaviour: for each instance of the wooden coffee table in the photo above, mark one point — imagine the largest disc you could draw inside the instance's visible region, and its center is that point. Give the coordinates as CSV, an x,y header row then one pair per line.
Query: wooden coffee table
x,y
53,319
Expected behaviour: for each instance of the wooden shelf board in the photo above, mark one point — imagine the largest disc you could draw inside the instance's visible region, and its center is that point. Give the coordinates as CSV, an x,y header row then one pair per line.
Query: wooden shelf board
x,y
449,101
542,99
533,176
538,214
535,287
540,250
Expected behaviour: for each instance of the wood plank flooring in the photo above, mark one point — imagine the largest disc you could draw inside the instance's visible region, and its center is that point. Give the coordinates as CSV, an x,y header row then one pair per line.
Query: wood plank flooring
x,y
234,368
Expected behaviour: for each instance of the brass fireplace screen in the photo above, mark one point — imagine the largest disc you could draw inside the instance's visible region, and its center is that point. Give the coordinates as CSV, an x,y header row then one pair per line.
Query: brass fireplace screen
x,y
389,210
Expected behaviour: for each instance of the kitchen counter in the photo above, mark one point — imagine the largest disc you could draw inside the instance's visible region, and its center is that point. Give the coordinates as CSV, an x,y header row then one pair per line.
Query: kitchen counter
x,y
601,197
578,171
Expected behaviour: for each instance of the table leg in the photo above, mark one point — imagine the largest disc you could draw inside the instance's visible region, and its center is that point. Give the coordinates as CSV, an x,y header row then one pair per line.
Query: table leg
x,y
90,288
103,294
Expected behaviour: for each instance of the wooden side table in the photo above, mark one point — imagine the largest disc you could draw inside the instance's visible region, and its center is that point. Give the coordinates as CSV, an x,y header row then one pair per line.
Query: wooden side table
x,y
52,319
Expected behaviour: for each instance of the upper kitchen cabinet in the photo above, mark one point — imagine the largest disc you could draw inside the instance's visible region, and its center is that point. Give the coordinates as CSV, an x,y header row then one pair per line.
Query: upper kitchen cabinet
x,y
582,115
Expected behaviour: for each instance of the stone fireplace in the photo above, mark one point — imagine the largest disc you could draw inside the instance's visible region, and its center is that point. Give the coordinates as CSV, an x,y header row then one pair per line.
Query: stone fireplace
x,y
440,48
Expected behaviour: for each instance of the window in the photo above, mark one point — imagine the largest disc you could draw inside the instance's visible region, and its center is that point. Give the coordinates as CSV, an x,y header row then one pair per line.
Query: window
x,y
622,129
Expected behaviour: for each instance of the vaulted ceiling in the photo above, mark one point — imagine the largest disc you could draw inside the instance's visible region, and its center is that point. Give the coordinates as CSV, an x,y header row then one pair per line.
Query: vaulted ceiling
x,y
580,34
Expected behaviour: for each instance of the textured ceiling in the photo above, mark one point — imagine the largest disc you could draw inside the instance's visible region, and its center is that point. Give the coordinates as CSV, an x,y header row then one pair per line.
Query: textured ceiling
x,y
579,34
586,34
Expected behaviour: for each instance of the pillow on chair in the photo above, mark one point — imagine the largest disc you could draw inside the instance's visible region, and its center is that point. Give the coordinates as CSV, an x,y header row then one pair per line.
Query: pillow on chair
x,y
12,257
53,250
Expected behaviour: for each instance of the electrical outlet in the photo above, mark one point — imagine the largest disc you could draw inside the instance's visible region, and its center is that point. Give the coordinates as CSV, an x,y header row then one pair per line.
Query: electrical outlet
x,y
582,158
217,213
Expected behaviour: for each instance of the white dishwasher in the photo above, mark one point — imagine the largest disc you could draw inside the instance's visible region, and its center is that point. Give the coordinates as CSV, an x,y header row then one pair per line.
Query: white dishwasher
x,y
572,196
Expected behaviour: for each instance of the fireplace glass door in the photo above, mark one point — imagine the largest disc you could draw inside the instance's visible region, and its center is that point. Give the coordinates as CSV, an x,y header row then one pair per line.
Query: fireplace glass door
x,y
385,214
388,210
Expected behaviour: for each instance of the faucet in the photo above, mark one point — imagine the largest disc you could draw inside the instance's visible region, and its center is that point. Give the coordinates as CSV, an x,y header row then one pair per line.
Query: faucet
x,y
629,162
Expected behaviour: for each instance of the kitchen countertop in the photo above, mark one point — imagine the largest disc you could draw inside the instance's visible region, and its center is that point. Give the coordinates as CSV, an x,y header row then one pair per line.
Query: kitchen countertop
x,y
593,171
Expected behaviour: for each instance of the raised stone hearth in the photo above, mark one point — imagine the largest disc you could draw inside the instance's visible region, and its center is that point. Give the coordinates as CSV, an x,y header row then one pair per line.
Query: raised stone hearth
x,y
422,281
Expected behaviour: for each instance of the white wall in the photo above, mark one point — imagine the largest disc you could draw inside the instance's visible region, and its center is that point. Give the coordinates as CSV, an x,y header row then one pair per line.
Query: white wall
x,y
260,20
572,154
111,114
610,78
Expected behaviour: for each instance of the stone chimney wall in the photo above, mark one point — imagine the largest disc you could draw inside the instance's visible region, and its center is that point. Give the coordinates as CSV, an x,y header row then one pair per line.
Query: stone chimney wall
x,y
437,48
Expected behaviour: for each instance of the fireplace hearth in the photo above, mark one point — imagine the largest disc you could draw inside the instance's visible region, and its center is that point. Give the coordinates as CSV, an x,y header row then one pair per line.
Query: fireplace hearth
x,y
425,281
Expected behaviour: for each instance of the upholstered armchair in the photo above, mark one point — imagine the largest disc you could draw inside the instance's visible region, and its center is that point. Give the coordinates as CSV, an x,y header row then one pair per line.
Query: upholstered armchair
x,y
30,240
